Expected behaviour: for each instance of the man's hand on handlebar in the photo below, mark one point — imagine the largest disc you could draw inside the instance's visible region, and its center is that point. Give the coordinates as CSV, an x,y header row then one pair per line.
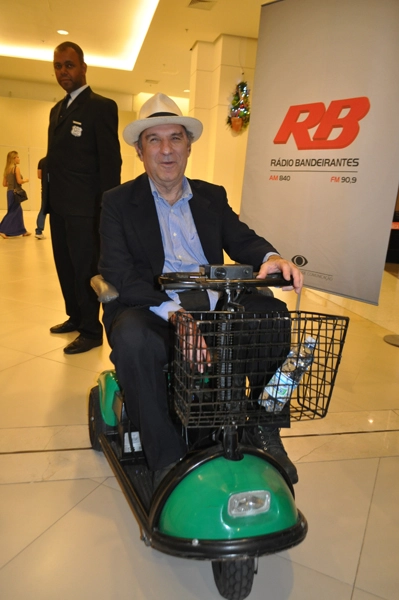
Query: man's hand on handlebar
x,y
276,264
195,349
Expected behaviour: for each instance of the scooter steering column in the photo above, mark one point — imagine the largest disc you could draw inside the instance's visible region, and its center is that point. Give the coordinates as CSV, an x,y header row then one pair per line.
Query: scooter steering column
x,y
230,443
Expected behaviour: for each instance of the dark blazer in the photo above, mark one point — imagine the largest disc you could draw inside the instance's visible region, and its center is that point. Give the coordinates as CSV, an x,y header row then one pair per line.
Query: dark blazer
x,y
132,255
83,156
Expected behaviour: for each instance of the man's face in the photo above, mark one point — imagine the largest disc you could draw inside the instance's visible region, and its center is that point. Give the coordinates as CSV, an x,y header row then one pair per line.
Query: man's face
x,y
165,151
70,72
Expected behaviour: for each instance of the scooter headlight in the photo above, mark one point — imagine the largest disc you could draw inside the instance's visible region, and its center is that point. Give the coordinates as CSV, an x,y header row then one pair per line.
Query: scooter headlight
x,y
247,504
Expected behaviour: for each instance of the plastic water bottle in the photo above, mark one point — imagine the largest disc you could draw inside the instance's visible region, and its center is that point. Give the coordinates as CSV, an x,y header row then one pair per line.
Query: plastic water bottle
x,y
288,376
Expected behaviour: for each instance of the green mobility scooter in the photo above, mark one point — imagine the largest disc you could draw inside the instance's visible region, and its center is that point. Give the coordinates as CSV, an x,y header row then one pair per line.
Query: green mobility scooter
x,y
225,501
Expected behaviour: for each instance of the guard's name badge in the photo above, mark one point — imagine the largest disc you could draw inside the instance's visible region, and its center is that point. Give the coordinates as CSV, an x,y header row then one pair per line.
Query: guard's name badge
x,y
76,129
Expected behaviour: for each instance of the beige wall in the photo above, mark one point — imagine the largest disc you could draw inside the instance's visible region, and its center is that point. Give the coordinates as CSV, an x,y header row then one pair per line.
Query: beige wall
x,y
24,129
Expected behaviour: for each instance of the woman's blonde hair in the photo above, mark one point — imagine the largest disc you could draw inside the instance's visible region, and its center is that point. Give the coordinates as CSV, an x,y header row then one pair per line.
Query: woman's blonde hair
x,y
10,162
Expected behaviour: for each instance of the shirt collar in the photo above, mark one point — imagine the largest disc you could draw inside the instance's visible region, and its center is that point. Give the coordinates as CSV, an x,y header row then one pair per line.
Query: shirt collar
x,y
76,93
186,192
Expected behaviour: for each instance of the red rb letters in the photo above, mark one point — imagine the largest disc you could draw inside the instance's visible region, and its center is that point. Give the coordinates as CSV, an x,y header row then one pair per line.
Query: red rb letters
x,y
327,121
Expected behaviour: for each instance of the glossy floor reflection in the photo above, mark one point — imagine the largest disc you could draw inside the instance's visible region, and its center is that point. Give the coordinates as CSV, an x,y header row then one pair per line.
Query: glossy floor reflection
x,y
66,529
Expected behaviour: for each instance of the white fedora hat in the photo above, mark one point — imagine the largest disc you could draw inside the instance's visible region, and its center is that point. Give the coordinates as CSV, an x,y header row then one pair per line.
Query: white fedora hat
x,y
160,110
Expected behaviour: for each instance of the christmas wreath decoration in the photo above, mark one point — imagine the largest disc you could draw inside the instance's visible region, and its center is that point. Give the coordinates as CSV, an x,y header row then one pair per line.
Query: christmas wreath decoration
x,y
239,111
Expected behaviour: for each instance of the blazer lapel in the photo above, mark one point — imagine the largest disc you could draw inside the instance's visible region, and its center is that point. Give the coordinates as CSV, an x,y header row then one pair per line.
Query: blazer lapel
x,y
207,225
144,220
80,99
57,116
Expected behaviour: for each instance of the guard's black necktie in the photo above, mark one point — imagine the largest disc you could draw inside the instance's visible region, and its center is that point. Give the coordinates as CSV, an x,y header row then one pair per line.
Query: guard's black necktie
x,y
64,106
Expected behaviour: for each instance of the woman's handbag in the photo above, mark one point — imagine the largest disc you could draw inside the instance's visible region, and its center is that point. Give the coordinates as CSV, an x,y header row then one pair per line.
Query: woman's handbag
x,y
19,194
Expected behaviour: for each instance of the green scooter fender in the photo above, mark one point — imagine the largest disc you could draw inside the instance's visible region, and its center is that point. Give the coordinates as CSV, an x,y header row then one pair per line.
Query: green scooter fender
x,y
108,386
198,507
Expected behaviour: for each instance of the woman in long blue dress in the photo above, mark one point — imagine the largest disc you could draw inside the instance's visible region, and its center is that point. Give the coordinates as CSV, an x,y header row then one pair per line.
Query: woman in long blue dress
x,y
13,223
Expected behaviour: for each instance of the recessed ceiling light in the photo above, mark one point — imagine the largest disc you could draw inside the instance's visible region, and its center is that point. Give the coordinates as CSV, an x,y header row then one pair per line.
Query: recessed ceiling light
x,y
139,19
62,31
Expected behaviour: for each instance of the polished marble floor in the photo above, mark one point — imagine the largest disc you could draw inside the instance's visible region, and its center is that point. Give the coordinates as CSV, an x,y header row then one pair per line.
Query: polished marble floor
x,y
66,531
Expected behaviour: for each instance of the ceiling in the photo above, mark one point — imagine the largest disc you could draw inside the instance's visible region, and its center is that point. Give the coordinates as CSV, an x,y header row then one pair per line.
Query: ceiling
x,y
103,29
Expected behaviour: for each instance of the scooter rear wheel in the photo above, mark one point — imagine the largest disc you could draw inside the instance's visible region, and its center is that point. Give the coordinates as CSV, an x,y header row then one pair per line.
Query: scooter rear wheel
x,y
234,578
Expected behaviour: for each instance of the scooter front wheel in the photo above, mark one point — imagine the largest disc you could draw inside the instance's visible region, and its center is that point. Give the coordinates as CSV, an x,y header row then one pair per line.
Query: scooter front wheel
x,y
234,578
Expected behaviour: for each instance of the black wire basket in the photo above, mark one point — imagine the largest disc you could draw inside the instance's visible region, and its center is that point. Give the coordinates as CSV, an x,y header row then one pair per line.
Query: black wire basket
x,y
223,361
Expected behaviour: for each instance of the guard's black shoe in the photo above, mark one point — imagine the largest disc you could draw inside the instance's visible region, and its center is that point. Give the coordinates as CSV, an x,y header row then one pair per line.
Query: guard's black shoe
x,y
81,344
66,327
268,439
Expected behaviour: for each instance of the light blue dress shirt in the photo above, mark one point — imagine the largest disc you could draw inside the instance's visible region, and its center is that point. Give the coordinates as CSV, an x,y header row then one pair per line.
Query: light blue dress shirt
x,y
182,246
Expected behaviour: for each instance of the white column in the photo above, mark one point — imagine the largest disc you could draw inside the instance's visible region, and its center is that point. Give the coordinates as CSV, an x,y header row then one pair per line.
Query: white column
x,y
216,68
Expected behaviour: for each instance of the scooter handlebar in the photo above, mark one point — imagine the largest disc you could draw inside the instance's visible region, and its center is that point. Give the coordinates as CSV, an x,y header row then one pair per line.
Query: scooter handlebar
x,y
199,281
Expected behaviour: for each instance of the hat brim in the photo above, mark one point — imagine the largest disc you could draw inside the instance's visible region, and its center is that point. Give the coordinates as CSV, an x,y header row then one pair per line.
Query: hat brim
x,y
131,133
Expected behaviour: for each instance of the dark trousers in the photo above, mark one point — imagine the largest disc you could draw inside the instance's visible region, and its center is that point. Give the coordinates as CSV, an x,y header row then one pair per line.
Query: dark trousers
x,y
141,345
40,221
75,242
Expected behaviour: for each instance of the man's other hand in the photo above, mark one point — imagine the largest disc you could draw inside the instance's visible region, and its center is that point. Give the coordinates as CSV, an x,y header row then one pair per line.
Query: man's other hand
x,y
276,264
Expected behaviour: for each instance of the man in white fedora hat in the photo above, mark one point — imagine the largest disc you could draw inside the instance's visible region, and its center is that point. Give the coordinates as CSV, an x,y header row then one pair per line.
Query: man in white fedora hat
x,y
163,222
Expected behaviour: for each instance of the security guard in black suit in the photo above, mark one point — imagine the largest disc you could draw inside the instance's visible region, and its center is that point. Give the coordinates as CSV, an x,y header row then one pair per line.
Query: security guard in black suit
x,y
83,161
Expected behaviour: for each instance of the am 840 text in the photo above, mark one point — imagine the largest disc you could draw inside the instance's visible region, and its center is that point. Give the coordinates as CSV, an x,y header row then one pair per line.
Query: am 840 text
x,y
279,177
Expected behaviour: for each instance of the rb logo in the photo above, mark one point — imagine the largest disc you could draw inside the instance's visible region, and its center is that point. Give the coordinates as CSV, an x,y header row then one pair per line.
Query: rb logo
x,y
327,120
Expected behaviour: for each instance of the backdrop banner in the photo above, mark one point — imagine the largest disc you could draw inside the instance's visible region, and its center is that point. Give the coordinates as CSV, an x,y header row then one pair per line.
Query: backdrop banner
x,y
322,165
